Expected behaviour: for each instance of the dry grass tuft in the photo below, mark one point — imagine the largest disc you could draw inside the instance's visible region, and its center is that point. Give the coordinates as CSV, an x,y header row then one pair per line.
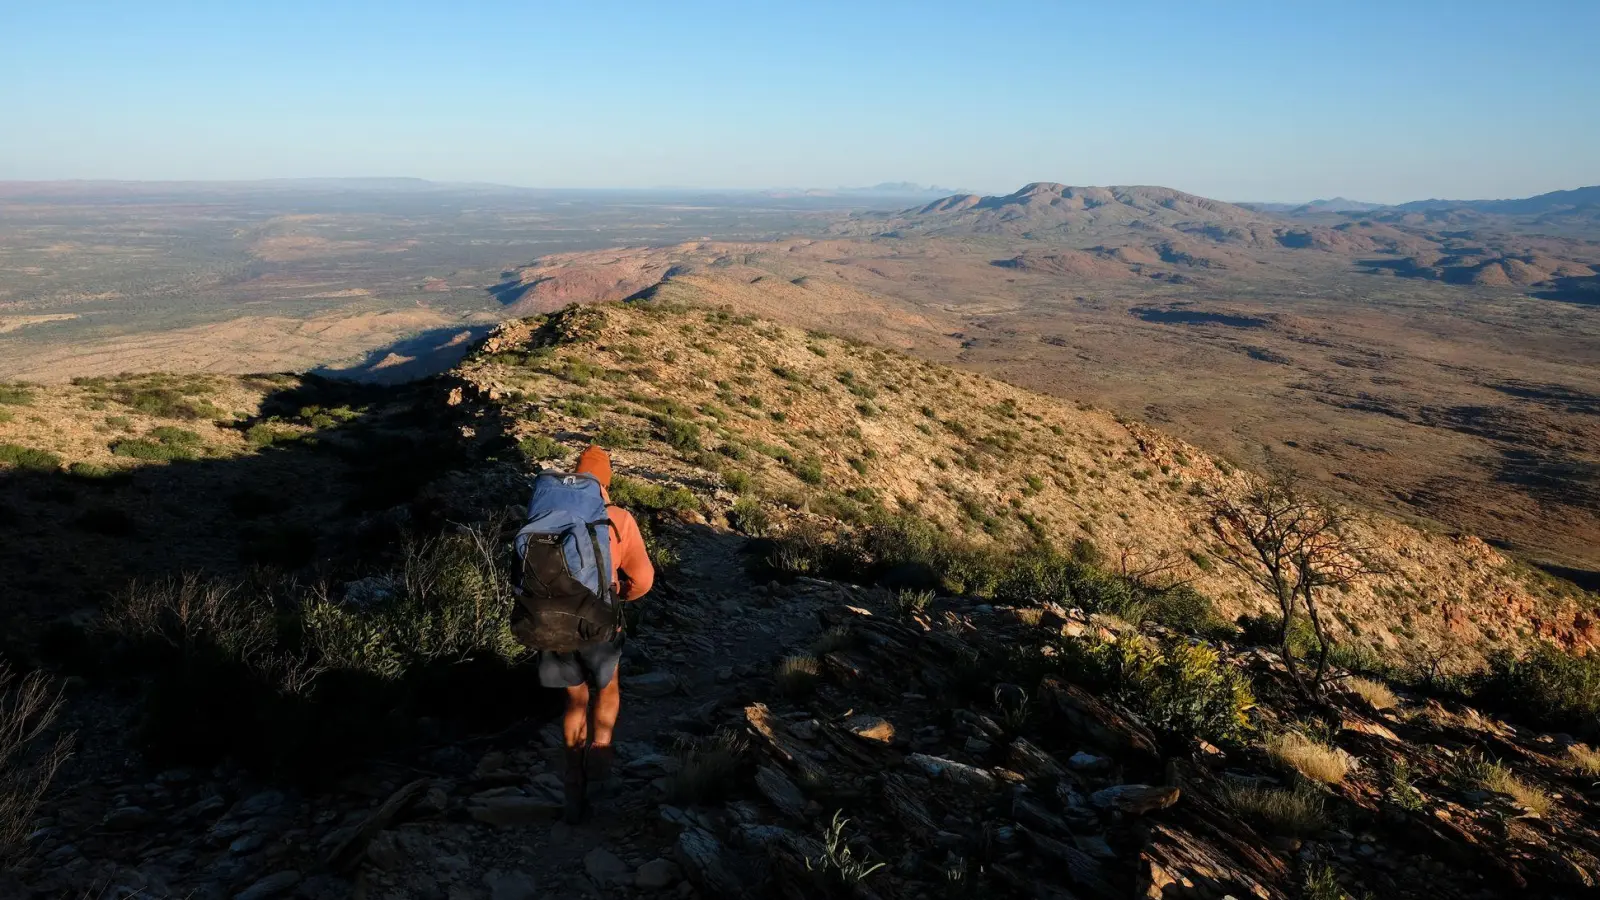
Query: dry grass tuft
x,y
706,767
839,637
1496,777
1313,760
1584,759
913,603
1030,616
1299,812
1376,693
28,708
796,676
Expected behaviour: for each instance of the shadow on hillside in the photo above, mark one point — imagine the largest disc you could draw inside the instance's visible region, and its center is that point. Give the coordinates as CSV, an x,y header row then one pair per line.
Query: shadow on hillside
x,y
336,505
71,537
1405,267
1588,579
1584,291
410,359
1180,316
509,291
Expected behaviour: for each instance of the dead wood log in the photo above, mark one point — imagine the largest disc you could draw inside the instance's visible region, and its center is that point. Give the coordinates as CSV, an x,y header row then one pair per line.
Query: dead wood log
x,y
1101,723
348,853
784,745
904,799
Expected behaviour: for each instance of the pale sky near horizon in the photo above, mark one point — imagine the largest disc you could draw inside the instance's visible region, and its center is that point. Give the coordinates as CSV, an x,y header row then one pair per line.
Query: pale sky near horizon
x,y
1243,100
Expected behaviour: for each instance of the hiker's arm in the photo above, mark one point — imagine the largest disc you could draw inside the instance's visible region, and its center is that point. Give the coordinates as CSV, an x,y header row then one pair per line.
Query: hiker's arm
x,y
635,573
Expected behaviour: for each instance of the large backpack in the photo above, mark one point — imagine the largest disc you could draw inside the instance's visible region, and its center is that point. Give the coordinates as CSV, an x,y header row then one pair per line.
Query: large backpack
x,y
565,598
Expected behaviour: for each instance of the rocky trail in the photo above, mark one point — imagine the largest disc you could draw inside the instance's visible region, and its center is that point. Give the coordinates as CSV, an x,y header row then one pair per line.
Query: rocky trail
x,y
468,822
910,772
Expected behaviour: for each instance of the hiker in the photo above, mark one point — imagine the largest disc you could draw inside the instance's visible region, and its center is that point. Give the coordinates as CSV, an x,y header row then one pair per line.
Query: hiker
x,y
571,616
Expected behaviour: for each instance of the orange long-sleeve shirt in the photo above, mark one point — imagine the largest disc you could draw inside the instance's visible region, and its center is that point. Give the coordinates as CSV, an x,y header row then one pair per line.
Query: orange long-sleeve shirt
x,y
631,571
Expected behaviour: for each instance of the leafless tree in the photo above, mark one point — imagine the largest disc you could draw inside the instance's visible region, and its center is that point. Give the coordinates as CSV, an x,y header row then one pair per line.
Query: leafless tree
x,y
1292,543
1158,573
1433,658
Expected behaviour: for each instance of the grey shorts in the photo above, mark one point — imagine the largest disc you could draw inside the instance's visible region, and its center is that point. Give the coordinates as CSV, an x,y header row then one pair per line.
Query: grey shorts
x,y
594,665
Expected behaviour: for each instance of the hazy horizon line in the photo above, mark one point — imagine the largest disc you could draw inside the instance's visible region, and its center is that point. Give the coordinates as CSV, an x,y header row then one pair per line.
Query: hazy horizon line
x,y
669,188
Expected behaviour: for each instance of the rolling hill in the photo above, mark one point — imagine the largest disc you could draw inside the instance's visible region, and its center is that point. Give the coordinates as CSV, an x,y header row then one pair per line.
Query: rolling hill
x,y
1045,208
893,597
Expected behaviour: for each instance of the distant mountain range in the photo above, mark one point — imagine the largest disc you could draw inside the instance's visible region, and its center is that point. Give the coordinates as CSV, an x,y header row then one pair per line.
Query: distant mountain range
x,y
1046,208
1575,200
1334,205
900,189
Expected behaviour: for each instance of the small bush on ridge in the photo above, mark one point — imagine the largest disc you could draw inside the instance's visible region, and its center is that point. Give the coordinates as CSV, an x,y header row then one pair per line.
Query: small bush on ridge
x,y
1184,691
29,459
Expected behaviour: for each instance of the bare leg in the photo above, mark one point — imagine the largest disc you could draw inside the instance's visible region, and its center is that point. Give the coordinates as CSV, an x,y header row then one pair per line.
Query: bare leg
x,y
607,703
575,721
575,730
603,722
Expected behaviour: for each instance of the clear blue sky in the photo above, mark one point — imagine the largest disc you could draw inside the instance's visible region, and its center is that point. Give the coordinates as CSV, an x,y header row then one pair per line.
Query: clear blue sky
x,y
1240,100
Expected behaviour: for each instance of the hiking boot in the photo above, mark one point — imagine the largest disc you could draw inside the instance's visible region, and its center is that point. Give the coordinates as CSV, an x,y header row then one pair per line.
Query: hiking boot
x,y
597,766
575,785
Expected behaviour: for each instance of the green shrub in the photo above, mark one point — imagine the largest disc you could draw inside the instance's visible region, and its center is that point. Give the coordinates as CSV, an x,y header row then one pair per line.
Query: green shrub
x,y
1085,552
173,436
1189,611
679,433
615,437
15,394
806,550
91,471
1263,629
29,458
6,416
1546,685
538,447
166,401
808,469
638,494
447,604
738,481
262,434
910,603
1027,576
750,517
154,451
577,371
1184,691
578,409
301,684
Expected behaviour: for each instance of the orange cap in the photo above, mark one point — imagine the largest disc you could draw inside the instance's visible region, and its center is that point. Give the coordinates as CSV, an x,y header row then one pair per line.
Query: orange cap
x,y
597,462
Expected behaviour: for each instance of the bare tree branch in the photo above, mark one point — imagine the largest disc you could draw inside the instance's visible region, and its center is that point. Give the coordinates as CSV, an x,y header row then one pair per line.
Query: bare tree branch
x,y
1291,544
